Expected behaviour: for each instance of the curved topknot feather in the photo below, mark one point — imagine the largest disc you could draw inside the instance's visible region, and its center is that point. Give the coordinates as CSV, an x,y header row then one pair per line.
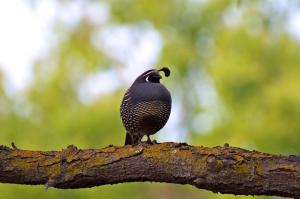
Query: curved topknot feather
x,y
166,71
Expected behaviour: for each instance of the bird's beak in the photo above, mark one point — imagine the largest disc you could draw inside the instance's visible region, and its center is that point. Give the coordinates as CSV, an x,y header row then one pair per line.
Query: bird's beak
x,y
159,76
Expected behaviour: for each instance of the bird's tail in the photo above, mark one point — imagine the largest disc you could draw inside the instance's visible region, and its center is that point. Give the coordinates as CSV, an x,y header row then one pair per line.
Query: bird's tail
x,y
131,139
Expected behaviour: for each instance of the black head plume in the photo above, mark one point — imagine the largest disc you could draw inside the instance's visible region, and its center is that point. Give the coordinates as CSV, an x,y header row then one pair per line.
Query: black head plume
x,y
166,71
152,75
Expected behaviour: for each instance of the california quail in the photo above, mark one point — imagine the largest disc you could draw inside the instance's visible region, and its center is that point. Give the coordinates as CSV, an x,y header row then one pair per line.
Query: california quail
x,y
146,106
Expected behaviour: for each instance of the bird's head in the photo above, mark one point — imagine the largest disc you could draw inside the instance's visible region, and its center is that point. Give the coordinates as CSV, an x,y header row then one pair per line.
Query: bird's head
x,y
153,75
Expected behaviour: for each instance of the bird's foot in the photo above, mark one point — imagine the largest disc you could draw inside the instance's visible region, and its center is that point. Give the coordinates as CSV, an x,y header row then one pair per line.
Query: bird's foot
x,y
154,142
148,140
151,142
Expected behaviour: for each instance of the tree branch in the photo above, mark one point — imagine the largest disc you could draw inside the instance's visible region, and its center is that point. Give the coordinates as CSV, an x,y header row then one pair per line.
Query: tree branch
x,y
219,169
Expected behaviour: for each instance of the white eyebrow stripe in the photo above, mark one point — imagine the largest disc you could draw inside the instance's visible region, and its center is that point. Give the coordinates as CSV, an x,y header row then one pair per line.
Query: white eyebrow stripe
x,y
148,73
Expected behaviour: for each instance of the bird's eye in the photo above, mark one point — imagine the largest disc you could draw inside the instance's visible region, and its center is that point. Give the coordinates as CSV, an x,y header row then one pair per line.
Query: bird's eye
x,y
152,79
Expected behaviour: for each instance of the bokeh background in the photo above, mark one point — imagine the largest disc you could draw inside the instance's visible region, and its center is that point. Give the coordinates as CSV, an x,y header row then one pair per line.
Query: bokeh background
x,y
64,66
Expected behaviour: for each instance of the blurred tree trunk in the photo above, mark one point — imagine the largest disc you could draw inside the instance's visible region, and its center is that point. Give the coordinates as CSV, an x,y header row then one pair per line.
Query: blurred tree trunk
x,y
219,169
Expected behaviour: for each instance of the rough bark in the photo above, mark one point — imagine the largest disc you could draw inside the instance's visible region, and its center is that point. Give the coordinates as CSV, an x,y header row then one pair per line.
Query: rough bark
x,y
219,169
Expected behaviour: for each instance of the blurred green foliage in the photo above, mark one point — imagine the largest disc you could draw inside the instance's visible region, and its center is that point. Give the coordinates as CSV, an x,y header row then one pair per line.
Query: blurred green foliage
x,y
241,48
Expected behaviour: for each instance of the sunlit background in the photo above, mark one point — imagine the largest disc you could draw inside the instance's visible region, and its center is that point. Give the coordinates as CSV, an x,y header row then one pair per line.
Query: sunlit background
x,y
64,66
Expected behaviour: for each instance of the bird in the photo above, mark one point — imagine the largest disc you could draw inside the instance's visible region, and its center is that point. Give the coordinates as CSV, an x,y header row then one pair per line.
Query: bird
x,y
146,106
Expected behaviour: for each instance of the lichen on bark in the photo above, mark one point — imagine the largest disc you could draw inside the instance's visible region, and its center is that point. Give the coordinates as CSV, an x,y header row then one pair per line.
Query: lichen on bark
x,y
219,169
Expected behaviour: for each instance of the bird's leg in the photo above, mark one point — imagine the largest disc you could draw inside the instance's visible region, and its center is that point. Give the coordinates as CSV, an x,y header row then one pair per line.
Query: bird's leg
x,y
132,139
149,140
136,139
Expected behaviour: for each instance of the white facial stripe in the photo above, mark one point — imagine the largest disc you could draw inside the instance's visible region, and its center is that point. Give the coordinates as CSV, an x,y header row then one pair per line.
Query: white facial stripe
x,y
147,79
148,73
